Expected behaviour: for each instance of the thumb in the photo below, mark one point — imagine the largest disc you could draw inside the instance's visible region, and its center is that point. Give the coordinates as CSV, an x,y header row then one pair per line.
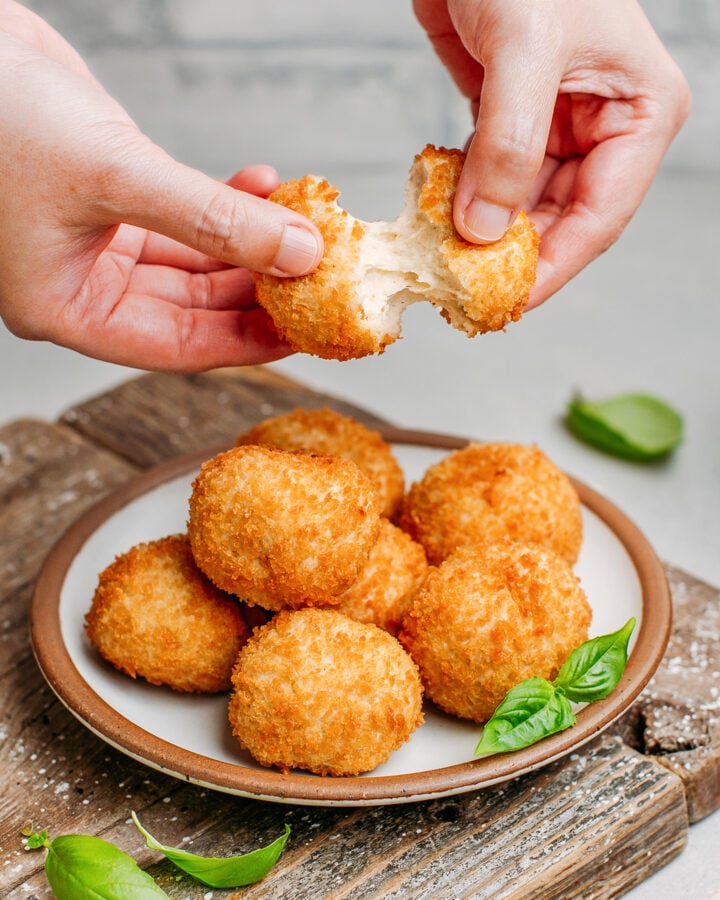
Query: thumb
x,y
508,147
164,196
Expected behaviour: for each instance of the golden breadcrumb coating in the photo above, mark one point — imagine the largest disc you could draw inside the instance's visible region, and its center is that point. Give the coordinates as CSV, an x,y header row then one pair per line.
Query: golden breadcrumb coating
x,y
394,571
316,690
352,304
488,618
281,528
320,313
494,279
154,614
489,491
329,433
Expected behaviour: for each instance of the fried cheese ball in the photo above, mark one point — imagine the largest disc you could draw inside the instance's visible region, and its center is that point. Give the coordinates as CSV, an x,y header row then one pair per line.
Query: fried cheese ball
x,y
316,690
155,615
491,491
281,528
352,304
395,570
488,618
329,433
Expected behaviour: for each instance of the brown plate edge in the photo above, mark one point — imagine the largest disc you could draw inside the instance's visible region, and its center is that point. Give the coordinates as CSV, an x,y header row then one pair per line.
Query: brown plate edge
x,y
81,700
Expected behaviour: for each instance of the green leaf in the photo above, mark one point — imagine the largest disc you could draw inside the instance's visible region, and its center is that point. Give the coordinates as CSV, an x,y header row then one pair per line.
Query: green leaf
x,y
36,839
594,668
82,867
531,710
633,426
221,872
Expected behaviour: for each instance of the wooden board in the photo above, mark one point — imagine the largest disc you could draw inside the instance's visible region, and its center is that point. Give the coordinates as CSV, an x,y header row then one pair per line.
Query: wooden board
x,y
677,718
594,824
157,417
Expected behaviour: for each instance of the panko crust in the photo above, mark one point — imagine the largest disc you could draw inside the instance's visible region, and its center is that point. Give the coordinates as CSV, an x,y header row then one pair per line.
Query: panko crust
x,y
329,433
489,491
281,528
318,691
322,313
396,568
488,618
155,615
496,278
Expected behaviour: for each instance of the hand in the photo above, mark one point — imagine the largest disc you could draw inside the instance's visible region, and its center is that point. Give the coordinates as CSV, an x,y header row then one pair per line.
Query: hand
x,y
110,247
575,105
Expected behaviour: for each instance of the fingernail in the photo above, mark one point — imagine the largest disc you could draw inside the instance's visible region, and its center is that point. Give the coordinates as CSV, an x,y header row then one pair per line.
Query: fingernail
x,y
486,222
299,253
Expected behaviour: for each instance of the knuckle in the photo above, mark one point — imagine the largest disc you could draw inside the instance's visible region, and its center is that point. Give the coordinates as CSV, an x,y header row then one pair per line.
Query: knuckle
x,y
516,154
237,231
218,227
187,334
226,229
201,290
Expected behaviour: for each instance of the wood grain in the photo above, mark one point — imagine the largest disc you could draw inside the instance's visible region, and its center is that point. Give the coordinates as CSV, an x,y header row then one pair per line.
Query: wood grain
x,y
593,824
677,718
48,477
157,417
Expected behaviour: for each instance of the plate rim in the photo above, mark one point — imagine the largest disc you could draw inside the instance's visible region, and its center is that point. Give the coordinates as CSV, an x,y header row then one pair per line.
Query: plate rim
x,y
98,716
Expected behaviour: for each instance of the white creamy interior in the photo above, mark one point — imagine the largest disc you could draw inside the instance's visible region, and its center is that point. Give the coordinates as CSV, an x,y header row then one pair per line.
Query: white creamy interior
x,y
399,265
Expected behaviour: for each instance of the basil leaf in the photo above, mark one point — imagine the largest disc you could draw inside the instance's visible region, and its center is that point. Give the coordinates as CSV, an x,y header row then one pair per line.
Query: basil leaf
x,y
82,867
594,668
36,839
530,711
633,426
221,872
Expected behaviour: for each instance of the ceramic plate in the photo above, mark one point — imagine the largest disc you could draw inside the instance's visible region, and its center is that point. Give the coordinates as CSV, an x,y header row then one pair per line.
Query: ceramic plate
x,y
188,736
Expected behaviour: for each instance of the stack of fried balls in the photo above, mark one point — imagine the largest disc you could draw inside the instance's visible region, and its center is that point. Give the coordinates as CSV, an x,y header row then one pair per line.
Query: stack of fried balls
x,y
331,603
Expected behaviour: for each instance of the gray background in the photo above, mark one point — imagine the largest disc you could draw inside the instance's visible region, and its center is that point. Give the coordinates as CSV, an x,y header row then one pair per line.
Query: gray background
x,y
351,91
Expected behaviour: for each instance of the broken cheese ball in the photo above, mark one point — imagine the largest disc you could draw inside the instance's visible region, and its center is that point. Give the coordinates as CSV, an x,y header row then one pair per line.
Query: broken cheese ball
x,y
351,306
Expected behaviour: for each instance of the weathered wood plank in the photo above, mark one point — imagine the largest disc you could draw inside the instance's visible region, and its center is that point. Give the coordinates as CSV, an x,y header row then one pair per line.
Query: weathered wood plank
x,y
569,830
157,417
677,718
581,827
48,476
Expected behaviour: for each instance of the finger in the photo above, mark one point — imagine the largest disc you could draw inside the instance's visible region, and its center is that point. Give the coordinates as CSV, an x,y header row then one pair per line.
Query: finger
x,y
111,318
586,206
466,72
145,333
433,16
548,169
151,190
507,151
185,340
164,251
260,180
231,288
